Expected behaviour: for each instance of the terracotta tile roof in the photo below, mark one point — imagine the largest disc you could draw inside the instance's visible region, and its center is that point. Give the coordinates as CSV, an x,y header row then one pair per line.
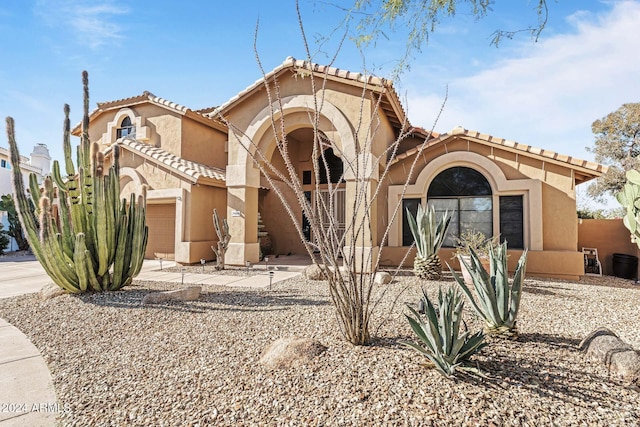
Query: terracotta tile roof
x,y
195,172
593,168
205,110
390,103
147,96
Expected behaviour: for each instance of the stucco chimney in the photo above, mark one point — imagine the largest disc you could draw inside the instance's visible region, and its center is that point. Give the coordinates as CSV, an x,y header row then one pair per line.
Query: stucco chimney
x,y
40,158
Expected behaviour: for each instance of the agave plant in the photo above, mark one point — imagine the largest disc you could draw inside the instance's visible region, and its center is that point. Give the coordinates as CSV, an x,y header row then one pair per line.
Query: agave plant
x,y
439,333
496,301
428,235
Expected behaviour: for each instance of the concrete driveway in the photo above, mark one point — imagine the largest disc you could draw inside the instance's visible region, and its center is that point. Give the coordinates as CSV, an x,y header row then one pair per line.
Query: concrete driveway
x,y
21,274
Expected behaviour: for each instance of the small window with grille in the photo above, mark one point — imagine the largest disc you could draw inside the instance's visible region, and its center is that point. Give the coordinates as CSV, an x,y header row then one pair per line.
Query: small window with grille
x,y
126,128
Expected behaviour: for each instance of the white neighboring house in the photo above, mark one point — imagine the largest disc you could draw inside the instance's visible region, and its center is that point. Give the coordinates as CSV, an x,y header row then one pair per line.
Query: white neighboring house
x,y
39,163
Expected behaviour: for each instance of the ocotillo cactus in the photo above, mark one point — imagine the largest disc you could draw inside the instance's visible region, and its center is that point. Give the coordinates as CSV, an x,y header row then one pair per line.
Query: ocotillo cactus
x,y
93,240
629,198
222,230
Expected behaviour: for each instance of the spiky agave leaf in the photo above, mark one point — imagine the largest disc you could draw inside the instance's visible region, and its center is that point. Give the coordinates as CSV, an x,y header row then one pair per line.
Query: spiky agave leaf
x,y
438,333
429,235
495,300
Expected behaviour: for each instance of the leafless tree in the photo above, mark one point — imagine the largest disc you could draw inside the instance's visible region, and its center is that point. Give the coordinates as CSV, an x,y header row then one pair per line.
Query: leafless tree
x,y
350,272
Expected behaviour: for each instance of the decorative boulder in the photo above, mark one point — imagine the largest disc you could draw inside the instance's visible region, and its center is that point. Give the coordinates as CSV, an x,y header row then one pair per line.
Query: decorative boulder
x,y
382,278
187,294
620,358
291,352
50,291
314,272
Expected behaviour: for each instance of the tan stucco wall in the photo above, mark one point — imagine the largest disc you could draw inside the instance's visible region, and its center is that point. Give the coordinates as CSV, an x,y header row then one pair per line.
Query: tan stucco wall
x,y
199,231
559,221
568,265
167,131
203,144
342,111
608,236
277,222
164,126
346,97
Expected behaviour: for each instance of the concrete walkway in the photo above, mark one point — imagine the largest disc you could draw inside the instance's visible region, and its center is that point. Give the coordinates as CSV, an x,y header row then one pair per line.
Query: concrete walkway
x,y
27,396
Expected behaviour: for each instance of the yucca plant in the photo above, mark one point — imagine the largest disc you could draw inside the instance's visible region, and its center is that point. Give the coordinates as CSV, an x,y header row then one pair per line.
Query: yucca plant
x,y
428,234
92,239
439,334
496,300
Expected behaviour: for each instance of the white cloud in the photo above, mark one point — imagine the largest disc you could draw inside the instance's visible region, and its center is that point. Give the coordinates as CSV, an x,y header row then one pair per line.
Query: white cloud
x,y
547,94
92,24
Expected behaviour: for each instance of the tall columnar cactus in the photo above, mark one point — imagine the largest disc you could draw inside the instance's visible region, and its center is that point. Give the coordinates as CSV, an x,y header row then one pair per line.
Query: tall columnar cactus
x,y
629,198
222,230
91,239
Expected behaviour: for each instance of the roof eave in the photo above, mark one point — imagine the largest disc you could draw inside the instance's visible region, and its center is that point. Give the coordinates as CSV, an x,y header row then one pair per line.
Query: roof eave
x,y
587,170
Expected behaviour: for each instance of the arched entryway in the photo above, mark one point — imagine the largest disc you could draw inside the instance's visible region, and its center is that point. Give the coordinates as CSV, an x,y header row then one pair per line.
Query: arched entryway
x,y
327,185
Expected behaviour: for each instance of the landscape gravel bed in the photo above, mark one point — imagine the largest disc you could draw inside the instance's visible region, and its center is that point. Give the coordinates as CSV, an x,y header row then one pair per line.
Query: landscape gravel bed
x,y
116,362
210,268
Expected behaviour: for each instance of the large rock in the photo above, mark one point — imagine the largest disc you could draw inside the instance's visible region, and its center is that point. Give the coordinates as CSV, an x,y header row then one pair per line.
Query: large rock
x,y
620,358
187,294
50,291
314,272
382,278
291,352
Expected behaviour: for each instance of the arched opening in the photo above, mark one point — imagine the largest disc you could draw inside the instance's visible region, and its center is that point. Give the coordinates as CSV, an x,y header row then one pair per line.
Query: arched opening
x,y
330,171
126,128
331,168
467,193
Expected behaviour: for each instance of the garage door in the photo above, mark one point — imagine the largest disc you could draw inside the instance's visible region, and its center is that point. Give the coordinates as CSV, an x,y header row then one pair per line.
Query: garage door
x,y
161,220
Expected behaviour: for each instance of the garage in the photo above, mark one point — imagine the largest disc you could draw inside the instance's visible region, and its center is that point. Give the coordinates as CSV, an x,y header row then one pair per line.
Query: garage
x,y
161,220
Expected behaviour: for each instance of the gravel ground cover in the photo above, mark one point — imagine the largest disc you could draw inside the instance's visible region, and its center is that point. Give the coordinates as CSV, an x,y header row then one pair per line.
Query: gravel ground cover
x,y
210,268
115,362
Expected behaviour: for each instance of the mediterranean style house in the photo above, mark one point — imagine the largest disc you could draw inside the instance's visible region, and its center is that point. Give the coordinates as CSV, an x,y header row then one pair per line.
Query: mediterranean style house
x,y
193,162
39,163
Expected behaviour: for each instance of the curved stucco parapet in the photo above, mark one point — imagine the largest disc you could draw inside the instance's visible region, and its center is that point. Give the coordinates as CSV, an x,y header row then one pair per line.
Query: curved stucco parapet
x,y
262,124
531,189
142,132
133,179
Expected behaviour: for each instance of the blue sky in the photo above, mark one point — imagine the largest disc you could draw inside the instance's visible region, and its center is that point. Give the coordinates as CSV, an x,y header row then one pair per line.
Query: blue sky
x,y
200,53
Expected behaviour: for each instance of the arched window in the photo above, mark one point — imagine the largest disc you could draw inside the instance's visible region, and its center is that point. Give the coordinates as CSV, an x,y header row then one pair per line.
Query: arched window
x,y
333,170
466,193
125,129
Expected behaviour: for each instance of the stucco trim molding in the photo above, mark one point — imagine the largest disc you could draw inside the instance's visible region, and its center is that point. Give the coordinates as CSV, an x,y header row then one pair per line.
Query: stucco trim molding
x,y
261,124
530,189
127,175
142,132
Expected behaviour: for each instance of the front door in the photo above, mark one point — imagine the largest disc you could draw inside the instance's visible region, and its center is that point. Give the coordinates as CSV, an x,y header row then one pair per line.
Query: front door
x,y
334,219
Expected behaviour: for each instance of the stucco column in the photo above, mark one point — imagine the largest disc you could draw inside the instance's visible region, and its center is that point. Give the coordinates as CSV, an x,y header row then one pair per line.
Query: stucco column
x,y
363,181
242,214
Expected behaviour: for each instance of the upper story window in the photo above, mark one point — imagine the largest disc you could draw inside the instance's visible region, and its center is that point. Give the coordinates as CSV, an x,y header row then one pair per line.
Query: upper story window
x,y
125,129
5,164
